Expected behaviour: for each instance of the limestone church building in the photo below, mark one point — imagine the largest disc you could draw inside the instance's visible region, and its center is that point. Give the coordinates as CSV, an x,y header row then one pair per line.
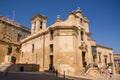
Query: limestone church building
x,y
64,45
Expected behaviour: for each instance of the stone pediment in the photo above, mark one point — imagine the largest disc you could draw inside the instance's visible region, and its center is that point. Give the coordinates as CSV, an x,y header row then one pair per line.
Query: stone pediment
x,y
70,21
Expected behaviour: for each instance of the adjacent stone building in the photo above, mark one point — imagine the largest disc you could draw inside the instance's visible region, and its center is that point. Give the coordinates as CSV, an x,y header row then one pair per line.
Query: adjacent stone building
x,y
11,33
65,45
117,62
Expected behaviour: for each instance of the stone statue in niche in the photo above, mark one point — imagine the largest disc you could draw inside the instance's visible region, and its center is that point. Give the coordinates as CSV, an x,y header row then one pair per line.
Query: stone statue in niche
x,y
9,49
83,46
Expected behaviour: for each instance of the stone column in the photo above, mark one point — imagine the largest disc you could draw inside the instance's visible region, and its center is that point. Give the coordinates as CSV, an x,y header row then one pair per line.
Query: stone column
x,y
86,24
37,25
44,24
33,28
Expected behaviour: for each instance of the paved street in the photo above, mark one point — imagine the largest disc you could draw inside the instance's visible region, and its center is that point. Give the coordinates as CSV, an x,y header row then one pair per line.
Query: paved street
x,y
105,77
28,76
48,76
33,76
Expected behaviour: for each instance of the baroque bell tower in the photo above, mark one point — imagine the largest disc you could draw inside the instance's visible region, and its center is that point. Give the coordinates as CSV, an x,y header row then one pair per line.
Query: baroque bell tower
x,y
38,23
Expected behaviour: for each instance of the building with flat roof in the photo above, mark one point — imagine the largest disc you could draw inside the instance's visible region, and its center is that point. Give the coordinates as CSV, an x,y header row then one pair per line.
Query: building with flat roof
x,y
117,62
11,33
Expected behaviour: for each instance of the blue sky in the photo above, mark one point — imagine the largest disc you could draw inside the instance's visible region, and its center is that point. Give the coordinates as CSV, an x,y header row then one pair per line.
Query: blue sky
x,y
103,15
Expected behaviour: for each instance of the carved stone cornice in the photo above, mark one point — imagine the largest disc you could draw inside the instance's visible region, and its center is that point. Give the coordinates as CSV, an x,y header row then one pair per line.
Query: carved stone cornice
x,y
13,23
38,15
104,47
11,43
56,34
88,33
85,20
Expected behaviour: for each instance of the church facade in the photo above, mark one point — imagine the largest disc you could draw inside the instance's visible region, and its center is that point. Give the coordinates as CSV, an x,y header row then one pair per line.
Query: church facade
x,y
65,45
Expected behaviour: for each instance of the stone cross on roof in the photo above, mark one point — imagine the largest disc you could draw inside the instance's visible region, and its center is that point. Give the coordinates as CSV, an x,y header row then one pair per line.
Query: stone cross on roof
x,y
78,8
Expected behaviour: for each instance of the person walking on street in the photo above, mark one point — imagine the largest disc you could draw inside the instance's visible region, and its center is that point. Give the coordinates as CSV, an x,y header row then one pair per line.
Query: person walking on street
x,y
110,72
56,72
106,71
6,73
102,71
99,68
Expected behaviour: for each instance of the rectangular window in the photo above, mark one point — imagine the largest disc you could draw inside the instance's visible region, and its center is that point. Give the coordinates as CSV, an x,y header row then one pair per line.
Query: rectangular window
x,y
110,57
51,35
19,37
82,35
33,48
51,48
94,51
99,54
81,20
40,24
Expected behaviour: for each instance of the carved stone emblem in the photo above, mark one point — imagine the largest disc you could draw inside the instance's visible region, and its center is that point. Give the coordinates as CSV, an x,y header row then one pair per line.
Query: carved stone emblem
x,y
9,50
83,46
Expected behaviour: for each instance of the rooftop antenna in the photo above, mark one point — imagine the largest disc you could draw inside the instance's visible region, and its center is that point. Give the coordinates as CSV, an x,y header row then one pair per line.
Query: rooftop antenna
x,y
13,15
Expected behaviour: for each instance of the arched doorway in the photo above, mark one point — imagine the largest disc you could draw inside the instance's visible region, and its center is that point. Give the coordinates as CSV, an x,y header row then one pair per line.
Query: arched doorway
x,y
51,63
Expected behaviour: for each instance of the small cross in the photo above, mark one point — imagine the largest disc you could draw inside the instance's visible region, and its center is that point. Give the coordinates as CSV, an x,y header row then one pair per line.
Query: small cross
x,y
78,8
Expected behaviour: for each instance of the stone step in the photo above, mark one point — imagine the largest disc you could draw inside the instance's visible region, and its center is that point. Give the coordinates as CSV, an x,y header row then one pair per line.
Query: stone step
x,y
4,67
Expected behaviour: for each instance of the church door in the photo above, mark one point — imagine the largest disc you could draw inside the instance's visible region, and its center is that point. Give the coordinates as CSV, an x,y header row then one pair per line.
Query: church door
x,y
21,69
51,62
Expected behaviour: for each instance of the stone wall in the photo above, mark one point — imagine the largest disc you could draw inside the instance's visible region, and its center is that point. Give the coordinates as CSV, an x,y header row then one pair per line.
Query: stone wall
x,y
66,45
104,53
23,68
104,57
11,33
3,51
40,55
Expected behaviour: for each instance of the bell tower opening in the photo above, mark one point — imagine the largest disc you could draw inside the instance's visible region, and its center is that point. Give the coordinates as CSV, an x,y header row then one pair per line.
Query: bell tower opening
x,y
38,23
41,24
